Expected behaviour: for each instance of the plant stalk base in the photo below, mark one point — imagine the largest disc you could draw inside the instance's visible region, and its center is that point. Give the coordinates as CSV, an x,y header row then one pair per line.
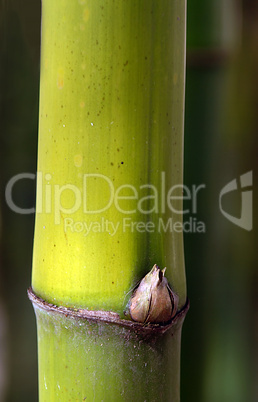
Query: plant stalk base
x,y
95,355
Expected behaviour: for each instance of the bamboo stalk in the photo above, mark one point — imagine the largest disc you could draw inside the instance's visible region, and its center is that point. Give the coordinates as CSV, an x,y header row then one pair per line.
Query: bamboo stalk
x,y
97,361
110,150
213,31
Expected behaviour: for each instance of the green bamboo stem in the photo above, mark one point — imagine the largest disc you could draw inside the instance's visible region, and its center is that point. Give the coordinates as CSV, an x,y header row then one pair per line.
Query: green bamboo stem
x,y
103,361
212,34
111,104
110,134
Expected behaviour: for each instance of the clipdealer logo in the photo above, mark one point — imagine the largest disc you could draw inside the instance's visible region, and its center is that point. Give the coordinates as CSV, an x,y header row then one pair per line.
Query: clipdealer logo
x,y
96,199
246,218
129,200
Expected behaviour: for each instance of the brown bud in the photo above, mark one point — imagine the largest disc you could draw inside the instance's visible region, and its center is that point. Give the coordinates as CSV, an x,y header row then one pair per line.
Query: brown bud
x,y
153,301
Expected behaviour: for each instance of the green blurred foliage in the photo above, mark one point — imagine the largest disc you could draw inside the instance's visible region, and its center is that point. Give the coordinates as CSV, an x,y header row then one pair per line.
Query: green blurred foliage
x,y
219,355
19,75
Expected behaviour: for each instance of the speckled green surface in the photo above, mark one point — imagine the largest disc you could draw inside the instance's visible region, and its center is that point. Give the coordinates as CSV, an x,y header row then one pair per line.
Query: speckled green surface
x,y
111,126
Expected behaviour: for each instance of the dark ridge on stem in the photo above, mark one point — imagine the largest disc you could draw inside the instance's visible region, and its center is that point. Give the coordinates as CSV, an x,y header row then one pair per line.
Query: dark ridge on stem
x,y
143,330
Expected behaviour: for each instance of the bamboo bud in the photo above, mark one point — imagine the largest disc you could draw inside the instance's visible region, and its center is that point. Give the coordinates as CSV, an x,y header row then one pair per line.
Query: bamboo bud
x,y
153,301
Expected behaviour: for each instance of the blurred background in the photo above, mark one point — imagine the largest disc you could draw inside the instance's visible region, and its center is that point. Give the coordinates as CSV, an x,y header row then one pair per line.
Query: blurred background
x,y
220,333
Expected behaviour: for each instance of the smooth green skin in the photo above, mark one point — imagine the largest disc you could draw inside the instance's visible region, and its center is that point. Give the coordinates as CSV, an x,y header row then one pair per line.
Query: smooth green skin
x,y
104,362
111,103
